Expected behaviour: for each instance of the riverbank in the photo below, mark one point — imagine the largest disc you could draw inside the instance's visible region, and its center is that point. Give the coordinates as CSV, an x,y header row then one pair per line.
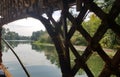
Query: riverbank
x,y
79,48
82,48
43,44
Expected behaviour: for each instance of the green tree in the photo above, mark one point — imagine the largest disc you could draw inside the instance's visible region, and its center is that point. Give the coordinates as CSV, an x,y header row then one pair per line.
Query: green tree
x,y
105,4
10,35
41,37
35,35
92,24
109,40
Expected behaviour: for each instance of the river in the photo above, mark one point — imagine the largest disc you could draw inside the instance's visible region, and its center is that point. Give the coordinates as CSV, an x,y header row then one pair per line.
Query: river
x,y
39,61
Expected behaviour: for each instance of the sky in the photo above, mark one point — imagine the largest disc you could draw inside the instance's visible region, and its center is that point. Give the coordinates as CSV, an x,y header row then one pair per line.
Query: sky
x,y
28,25
25,26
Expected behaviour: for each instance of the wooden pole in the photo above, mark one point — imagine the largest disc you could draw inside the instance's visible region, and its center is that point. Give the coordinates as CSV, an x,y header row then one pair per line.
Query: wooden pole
x,y
0,45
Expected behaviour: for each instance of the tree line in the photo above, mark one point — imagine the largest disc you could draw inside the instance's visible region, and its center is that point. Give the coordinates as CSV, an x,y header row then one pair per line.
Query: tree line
x,y
109,40
10,35
41,37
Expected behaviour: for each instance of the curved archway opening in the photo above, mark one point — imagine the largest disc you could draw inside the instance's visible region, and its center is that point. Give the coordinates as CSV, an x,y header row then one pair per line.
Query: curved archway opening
x,y
31,57
25,26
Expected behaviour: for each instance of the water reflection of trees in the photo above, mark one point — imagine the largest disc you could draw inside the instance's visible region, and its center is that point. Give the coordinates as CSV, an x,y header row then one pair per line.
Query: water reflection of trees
x,y
13,44
95,63
51,55
49,51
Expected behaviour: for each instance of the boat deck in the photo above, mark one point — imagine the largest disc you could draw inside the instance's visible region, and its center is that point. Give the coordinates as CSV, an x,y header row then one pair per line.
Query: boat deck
x,y
4,72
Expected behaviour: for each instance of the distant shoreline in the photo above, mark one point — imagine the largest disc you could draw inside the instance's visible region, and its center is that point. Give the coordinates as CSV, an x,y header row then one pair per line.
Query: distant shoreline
x,y
81,48
18,40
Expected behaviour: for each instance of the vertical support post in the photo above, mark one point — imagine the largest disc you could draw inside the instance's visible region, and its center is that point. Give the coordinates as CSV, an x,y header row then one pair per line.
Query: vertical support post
x,y
0,45
67,54
60,47
63,59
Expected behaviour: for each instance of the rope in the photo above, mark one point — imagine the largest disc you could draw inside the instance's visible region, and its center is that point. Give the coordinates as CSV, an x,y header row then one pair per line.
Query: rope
x,y
25,70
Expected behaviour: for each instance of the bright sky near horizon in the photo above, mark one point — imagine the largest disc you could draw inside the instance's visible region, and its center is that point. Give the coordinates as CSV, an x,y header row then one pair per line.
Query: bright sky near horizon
x,y
27,25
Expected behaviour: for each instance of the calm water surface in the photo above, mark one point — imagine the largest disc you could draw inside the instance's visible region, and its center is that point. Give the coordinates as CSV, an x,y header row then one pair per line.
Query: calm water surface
x,y
39,61
36,62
